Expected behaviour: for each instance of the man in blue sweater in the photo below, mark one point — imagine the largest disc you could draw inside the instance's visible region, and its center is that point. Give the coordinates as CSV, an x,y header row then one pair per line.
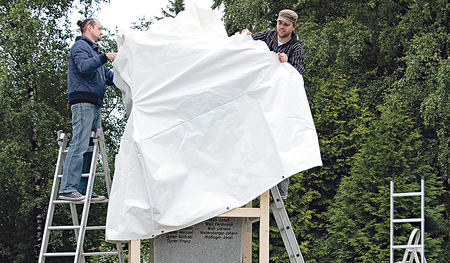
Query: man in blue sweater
x,y
87,77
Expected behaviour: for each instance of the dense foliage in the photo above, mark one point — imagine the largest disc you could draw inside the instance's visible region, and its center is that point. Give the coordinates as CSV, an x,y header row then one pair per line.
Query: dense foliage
x,y
35,38
378,82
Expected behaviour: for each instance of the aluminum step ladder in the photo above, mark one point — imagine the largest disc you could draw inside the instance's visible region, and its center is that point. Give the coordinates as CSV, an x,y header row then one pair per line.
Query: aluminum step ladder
x,y
412,248
79,228
285,227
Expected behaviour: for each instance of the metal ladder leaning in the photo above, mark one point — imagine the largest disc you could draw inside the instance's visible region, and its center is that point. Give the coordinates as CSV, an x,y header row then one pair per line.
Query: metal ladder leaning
x,y
78,227
411,247
285,227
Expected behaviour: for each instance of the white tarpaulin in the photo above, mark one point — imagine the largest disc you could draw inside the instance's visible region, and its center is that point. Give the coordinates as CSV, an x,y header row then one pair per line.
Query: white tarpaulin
x,y
215,121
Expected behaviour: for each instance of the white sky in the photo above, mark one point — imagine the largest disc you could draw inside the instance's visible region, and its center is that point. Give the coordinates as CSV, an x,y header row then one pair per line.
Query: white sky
x,y
121,13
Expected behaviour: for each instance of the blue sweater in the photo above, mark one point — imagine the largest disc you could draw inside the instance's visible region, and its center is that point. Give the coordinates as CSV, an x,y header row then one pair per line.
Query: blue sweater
x,y
86,74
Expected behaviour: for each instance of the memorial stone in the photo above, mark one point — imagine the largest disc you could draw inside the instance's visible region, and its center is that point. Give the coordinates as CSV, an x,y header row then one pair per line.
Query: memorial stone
x,y
218,240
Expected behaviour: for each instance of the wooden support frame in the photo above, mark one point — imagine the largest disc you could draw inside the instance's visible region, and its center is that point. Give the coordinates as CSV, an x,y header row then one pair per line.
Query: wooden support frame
x,y
261,212
134,250
250,214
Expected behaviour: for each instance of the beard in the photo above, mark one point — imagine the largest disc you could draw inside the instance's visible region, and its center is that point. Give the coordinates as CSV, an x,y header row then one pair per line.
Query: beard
x,y
284,34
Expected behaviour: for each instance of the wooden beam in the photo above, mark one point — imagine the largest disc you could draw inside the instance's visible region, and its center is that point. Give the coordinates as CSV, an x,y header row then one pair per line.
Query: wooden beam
x,y
134,248
264,228
242,212
248,238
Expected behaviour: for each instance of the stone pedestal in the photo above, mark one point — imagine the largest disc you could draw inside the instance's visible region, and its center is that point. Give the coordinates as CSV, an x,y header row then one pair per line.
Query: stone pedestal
x,y
217,240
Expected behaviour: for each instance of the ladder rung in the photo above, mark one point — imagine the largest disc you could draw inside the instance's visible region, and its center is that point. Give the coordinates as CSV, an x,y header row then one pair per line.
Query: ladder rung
x,y
76,227
407,220
90,149
285,226
406,246
72,254
63,227
60,254
87,175
78,202
407,194
95,227
96,174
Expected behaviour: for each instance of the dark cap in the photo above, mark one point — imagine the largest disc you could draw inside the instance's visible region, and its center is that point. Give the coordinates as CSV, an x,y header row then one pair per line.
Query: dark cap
x,y
288,16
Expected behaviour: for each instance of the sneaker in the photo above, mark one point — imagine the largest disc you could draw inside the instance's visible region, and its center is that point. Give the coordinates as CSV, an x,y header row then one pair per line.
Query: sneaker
x,y
96,197
74,196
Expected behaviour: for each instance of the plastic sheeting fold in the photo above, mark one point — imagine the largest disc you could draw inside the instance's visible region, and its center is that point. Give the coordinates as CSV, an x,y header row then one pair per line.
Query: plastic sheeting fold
x,y
214,121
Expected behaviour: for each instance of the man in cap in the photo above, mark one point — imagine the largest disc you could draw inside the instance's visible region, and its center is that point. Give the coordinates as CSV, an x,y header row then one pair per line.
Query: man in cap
x,y
284,41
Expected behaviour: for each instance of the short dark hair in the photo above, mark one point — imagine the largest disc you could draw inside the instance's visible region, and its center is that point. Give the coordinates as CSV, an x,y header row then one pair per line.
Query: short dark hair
x,y
83,25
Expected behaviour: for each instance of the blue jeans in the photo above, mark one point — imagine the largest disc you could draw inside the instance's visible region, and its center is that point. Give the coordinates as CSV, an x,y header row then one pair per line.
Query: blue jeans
x,y
86,117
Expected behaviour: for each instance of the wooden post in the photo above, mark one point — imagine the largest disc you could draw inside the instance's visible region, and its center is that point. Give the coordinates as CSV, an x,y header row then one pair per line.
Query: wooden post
x,y
134,250
264,228
261,213
247,238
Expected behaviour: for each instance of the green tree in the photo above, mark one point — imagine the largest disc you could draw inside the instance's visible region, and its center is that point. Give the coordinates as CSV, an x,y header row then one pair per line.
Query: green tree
x,y
387,49
436,114
142,24
32,83
340,122
175,7
424,81
172,11
359,219
255,15
34,48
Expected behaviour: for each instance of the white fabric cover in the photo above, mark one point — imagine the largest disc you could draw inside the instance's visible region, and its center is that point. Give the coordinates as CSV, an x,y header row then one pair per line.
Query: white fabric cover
x,y
215,121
